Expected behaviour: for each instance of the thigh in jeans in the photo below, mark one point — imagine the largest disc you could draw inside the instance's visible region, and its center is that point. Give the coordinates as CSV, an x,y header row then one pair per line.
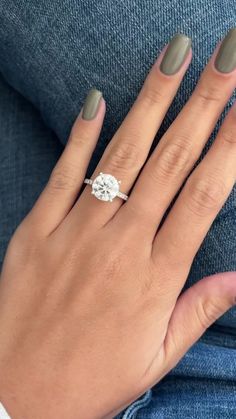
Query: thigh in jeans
x,y
28,152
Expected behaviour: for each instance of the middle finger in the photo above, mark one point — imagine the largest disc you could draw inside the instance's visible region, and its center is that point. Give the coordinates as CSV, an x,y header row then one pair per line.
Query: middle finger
x,y
182,144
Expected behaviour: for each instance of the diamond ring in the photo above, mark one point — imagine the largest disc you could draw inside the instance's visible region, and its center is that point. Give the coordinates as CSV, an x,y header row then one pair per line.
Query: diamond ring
x,y
106,187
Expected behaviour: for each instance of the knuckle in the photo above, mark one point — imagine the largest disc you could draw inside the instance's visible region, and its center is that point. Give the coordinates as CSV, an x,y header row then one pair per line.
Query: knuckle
x,y
204,195
18,238
207,312
24,243
208,94
228,136
61,179
175,158
79,140
125,156
152,95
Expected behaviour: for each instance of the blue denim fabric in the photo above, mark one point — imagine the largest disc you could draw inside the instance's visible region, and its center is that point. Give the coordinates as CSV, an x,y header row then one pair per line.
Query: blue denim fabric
x,y
52,52
28,152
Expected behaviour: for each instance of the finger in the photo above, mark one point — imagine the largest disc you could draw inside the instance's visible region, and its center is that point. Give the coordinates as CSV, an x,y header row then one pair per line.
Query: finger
x,y
197,309
201,199
66,179
181,146
129,148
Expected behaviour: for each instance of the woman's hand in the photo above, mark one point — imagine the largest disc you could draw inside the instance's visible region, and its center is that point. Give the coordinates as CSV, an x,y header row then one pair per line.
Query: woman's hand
x,y
90,313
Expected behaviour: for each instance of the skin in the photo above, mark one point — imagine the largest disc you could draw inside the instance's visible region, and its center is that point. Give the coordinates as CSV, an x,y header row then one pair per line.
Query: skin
x,y
90,309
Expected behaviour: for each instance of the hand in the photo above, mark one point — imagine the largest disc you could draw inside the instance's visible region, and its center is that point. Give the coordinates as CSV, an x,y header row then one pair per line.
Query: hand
x,y
90,313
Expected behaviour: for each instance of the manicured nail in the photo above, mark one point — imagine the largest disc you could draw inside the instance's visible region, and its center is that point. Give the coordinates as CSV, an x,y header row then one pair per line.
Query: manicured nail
x,y
91,104
175,54
225,61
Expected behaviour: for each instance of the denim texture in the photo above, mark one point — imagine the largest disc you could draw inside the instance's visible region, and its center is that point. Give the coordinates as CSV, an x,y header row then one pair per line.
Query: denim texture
x,y
28,152
52,52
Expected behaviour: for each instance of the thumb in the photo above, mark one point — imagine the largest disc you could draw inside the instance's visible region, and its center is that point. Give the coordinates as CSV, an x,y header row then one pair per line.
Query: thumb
x,y
197,309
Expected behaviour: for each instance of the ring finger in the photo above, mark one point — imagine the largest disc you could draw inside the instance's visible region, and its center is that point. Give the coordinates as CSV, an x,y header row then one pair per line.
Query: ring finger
x,y
129,148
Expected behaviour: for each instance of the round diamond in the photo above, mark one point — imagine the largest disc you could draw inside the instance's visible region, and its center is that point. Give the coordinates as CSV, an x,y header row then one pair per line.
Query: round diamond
x,y
105,187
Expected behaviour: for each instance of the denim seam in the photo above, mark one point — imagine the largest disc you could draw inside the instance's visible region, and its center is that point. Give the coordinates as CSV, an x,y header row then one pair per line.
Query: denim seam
x,y
133,408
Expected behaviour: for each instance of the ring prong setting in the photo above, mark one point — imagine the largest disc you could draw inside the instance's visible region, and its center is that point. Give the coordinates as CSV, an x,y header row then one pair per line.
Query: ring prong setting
x,y
106,187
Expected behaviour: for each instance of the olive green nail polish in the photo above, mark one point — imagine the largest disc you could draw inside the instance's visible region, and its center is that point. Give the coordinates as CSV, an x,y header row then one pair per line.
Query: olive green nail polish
x,y
91,104
226,58
175,54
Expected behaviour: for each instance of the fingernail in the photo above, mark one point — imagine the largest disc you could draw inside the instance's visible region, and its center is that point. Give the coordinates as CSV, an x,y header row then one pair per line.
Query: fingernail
x,y
225,61
91,104
175,54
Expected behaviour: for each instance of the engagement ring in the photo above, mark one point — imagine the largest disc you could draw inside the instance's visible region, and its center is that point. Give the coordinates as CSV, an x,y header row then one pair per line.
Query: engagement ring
x,y
106,187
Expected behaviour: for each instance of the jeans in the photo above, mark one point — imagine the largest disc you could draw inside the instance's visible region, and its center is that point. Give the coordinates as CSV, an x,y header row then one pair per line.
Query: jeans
x,y
51,53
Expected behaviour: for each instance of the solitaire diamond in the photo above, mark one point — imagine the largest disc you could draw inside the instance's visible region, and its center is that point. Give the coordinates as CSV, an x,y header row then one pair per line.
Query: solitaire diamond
x,y
105,187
